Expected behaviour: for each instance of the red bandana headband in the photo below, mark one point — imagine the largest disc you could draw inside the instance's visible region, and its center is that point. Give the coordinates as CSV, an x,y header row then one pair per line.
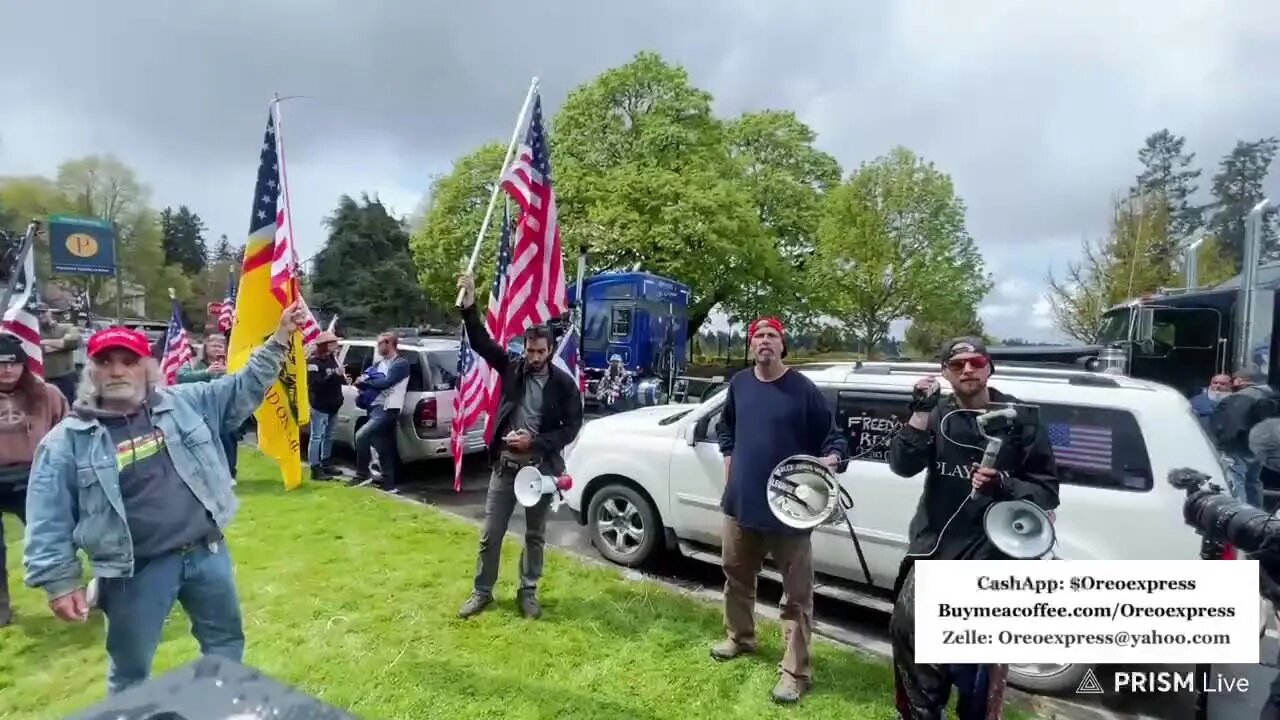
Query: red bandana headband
x,y
771,322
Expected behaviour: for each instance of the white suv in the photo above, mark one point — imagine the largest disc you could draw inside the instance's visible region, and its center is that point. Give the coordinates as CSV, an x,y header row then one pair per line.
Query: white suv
x,y
651,479
423,428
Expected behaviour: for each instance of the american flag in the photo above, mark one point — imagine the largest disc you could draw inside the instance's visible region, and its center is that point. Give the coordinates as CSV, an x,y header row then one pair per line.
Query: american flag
x,y
310,327
19,321
535,292
468,403
177,349
566,358
493,323
284,258
226,312
1082,446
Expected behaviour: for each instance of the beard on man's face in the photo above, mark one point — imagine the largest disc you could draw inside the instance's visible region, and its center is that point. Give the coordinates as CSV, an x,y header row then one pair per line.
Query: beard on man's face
x,y
121,389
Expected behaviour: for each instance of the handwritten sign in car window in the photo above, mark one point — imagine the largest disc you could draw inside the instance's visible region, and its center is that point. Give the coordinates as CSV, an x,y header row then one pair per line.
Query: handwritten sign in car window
x,y
869,423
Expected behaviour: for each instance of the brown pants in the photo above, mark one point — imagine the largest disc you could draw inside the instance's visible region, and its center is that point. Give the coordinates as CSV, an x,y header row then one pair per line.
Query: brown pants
x,y
744,552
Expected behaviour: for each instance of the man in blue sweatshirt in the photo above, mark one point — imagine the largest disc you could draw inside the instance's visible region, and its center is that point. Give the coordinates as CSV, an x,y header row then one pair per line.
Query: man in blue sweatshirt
x,y
770,413
379,432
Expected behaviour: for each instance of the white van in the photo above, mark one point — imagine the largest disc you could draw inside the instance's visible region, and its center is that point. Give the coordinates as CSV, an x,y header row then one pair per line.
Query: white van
x,y
651,479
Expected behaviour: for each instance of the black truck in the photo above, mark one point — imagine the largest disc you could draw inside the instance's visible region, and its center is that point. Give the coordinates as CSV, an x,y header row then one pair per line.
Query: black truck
x,y
1182,337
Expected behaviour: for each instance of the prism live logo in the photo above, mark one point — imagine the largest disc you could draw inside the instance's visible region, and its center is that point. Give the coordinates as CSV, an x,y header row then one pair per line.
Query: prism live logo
x,y
1164,682
1089,684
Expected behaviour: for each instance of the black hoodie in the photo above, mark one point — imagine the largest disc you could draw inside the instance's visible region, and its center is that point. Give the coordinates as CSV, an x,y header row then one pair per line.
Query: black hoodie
x,y
1026,464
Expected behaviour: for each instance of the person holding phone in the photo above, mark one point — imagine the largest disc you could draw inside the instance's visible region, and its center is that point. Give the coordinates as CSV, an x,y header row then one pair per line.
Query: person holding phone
x,y
943,439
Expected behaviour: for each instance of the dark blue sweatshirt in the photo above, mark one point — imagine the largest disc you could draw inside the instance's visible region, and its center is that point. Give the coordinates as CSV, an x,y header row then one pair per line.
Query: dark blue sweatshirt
x,y
762,424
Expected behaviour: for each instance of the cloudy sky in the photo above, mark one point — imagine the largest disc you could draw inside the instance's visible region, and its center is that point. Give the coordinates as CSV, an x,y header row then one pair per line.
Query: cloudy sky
x,y
1037,109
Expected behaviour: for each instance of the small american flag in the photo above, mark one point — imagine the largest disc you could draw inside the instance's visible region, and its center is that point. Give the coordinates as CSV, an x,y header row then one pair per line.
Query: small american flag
x,y
310,327
177,349
536,282
1082,446
566,358
226,311
493,323
468,402
284,256
19,321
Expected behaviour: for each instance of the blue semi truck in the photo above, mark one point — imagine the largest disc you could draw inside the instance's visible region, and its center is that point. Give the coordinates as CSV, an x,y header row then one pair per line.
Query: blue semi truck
x,y
641,317
638,316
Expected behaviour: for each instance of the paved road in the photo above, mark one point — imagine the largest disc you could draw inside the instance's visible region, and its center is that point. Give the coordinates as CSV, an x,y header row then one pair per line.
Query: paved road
x,y
432,483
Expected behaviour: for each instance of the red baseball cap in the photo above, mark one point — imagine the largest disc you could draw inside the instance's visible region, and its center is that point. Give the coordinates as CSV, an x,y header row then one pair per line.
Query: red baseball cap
x,y
119,337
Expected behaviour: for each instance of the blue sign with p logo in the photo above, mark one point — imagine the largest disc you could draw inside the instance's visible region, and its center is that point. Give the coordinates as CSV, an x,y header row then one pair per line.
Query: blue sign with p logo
x,y
82,246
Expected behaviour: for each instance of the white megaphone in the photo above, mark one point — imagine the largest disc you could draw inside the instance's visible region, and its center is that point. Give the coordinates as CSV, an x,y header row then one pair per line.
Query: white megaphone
x,y
532,486
803,493
1019,529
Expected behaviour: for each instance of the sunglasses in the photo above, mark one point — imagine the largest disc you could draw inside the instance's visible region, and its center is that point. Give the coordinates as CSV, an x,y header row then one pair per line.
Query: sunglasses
x,y
977,363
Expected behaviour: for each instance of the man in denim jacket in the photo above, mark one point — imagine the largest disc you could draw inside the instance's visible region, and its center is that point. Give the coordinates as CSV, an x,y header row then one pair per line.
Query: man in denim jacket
x,y
136,478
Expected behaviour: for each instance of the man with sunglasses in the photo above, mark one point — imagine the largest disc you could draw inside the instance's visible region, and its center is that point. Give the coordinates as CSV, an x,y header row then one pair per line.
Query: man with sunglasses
x,y
942,438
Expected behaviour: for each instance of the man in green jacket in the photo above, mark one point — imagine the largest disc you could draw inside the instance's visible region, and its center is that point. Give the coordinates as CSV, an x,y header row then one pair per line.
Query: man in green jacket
x,y
211,365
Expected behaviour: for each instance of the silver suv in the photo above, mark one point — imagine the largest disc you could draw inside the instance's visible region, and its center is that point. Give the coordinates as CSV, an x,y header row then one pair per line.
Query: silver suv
x,y
423,428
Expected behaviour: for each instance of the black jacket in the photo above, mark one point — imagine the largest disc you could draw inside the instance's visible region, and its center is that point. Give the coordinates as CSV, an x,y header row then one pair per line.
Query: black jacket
x,y
324,382
1025,461
1236,414
561,401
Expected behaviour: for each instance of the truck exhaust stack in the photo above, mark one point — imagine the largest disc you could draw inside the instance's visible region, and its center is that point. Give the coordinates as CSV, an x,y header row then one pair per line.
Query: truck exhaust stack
x,y
1245,310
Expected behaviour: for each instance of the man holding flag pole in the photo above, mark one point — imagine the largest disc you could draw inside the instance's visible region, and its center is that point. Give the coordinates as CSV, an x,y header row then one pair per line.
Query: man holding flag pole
x,y
268,284
539,407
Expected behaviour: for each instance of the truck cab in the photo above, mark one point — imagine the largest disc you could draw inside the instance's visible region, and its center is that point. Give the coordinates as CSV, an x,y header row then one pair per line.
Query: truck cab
x,y
640,317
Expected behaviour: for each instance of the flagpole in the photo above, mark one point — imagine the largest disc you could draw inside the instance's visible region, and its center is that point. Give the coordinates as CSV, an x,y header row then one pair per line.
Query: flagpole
x,y
294,290
493,198
28,239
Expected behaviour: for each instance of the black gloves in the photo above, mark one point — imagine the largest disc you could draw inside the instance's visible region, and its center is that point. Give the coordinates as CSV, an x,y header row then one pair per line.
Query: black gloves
x,y
924,399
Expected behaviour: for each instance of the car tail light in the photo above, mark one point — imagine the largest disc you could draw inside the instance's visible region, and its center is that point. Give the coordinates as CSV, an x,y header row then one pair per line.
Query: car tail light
x,y
424,415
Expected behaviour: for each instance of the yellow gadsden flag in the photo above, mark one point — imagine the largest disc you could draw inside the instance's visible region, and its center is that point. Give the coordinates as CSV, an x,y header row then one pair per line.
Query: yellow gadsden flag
x,y
258,306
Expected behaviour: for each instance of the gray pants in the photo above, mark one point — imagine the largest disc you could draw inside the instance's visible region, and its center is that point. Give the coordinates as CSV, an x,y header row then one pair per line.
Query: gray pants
x,y
498,506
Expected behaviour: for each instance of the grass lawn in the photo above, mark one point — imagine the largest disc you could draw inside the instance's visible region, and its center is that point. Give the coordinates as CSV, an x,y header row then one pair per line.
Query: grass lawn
x,y
351,596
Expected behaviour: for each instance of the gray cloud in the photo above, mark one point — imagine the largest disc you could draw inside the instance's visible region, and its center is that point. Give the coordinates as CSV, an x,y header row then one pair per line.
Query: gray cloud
x,y
1037,110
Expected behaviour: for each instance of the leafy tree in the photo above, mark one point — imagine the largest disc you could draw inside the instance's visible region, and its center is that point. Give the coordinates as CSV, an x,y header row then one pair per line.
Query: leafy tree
x,y
183,239
892,244
458,202
788,179
1113,270
365,270
1167,172
1237,188
926,333
644,176
31,198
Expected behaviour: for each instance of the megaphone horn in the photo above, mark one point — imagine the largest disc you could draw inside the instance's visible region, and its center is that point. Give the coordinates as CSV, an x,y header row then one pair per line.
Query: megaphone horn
x,y
531,486
803,494
1019,529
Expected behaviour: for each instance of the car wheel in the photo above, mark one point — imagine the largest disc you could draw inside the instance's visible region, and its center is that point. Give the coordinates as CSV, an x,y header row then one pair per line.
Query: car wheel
x,y
624,525
1047,679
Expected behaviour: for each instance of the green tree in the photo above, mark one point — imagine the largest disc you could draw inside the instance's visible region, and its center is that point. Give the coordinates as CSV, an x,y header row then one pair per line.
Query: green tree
x,y
182,234
1168,172
1237,188
31,198
365,271
442,246
787,178
926,333
644,176
892,244
1116,269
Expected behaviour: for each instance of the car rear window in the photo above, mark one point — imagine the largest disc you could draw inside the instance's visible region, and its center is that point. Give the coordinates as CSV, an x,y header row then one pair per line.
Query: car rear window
x,y
444,369
1096,447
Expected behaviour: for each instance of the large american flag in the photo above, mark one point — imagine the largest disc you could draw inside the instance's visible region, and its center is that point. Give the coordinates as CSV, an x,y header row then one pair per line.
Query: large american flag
x,y
1083,446
468,403
19,321
497,329
177,348
271,215
535,291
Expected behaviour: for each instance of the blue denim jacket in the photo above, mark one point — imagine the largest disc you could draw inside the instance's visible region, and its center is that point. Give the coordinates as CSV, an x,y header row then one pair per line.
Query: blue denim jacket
x,y
73,497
